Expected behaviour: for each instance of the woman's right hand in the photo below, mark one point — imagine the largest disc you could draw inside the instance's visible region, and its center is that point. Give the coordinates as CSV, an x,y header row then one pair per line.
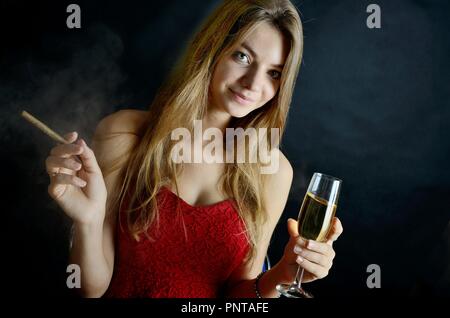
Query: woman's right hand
x,y
77,185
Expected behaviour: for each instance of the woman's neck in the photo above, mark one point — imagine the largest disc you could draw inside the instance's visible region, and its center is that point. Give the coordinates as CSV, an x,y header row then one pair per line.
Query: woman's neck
x,y
215,119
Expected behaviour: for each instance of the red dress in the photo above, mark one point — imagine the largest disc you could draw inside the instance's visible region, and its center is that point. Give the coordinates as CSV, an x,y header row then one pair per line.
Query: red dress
x,y
176,266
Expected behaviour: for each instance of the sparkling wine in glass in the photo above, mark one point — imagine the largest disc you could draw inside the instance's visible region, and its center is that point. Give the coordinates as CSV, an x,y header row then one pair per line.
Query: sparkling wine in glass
x,y
314,221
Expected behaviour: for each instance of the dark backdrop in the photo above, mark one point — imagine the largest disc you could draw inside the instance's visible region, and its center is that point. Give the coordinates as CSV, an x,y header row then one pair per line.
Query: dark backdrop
x,y
371,106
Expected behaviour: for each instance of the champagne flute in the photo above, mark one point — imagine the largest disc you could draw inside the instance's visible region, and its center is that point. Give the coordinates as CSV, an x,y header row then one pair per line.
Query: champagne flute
x,y
314,221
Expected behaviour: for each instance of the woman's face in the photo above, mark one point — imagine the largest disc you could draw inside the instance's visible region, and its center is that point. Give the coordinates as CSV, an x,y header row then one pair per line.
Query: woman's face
x,y
249,76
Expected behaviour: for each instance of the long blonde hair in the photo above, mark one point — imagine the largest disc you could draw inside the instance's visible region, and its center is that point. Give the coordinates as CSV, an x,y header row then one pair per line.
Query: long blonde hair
x,y
183,98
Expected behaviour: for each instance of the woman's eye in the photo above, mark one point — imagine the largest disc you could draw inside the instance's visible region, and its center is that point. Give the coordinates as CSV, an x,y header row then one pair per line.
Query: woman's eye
x,y
242,57
275,74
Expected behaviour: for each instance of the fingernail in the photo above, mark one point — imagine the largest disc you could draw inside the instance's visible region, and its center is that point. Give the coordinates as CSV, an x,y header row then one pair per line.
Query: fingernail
x,y
297,249
301,242
311,244
80,142
83,183
299,259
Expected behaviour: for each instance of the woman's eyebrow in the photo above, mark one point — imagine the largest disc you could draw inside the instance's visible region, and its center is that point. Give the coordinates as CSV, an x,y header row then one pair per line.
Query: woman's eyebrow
x,y
248,48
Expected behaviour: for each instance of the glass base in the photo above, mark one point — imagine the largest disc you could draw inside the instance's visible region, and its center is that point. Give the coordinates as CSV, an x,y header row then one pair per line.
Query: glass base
x,y
292,291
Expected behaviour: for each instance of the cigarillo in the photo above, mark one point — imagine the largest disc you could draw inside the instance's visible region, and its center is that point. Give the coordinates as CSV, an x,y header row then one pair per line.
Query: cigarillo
x,y
44,128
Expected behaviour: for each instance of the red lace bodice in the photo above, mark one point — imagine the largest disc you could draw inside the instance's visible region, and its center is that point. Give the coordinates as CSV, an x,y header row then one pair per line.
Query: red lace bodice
x,y
176,266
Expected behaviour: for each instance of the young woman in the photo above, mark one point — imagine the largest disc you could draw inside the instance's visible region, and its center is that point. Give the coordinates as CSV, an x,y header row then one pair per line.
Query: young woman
x,y
147,226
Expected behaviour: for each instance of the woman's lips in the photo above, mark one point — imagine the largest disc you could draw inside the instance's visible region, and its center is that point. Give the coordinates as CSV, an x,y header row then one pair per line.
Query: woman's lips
x,y
241,99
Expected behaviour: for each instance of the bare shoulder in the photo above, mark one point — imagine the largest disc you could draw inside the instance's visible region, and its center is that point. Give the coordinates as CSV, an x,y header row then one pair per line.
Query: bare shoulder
x,y
277,186
115,136
285,171
126,121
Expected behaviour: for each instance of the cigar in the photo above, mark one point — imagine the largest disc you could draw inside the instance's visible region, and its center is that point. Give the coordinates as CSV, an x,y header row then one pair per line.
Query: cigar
x,y
43,127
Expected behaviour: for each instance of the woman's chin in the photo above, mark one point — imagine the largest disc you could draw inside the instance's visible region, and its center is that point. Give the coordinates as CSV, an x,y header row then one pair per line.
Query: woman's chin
x,y
238,111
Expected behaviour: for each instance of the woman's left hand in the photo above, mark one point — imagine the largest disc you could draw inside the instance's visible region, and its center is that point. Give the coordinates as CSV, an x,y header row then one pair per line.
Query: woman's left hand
x,y
315,257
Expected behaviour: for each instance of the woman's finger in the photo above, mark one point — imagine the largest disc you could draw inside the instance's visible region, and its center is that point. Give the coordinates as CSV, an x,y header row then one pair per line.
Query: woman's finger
x,y
52,172
87,156
316,270
292,228
62,178
71,137
335,231
314,257
315,246
66,150
54,164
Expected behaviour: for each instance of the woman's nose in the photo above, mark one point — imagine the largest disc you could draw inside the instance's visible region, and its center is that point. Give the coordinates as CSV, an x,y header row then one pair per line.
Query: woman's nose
x,y
252,80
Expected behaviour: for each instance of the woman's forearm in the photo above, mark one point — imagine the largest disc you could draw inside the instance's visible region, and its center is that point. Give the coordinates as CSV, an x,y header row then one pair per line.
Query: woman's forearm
x,y
266,285
87,252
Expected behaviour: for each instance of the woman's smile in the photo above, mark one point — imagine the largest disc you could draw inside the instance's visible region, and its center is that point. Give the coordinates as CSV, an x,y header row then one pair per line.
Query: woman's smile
x,y
240,98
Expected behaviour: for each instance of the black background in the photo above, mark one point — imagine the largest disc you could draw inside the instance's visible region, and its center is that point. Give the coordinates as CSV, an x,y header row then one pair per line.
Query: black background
x,y
371,106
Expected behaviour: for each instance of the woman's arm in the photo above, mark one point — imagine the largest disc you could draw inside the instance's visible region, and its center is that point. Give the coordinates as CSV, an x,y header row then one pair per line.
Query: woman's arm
x,y
93,244
315,257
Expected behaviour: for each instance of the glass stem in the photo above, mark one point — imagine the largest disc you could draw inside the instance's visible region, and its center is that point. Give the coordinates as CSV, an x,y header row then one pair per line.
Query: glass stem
x,y
298,279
